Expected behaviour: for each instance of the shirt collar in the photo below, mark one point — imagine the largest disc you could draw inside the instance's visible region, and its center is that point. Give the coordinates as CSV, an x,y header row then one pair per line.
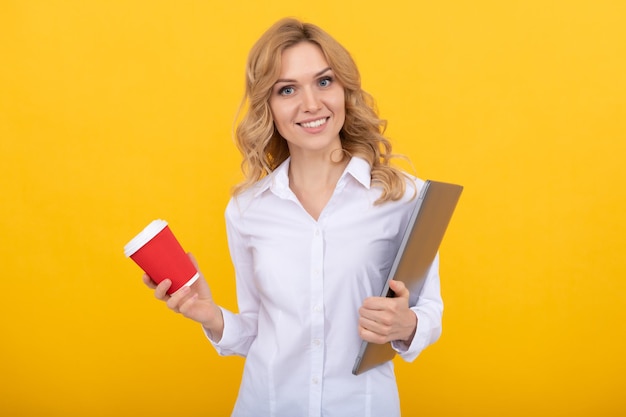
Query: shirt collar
x,y
360,170
278,180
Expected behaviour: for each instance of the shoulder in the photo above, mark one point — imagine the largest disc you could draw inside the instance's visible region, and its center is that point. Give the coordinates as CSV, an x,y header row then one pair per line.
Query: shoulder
x,y
412,186
246,199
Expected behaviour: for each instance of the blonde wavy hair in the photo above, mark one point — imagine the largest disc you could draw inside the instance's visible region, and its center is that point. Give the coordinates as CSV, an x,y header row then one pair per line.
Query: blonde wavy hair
x,y
263,148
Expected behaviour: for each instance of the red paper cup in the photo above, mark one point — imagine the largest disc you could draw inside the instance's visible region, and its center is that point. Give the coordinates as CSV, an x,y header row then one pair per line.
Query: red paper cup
x,y
156,251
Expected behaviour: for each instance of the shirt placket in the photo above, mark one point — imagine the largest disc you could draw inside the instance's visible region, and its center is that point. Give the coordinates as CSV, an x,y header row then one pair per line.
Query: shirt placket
x,y
317,322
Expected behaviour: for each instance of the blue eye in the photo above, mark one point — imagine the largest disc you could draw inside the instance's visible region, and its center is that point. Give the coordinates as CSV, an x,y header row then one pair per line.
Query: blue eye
x,y
325,82
286,91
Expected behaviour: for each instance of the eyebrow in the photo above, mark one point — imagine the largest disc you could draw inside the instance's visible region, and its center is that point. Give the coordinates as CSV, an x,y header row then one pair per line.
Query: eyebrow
x,y
282,80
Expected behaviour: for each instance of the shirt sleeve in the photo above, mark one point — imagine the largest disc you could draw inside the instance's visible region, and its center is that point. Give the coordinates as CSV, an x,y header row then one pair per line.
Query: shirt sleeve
x,y
240,329
428,307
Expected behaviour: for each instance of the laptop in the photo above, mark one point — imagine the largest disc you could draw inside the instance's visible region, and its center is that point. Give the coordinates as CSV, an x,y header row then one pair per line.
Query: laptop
x,y
418,248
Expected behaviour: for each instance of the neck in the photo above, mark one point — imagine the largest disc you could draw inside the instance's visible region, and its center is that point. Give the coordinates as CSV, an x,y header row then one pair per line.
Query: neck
x,y
313,181
315,173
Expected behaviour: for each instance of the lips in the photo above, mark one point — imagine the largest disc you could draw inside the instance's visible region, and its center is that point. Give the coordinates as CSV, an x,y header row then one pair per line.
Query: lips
x,y
314,123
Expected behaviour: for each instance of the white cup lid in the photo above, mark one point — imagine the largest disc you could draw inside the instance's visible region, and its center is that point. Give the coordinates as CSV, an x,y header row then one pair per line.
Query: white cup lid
x,y
144,236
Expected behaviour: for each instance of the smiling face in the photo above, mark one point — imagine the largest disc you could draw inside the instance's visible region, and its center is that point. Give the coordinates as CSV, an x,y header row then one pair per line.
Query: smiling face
x,y
307,102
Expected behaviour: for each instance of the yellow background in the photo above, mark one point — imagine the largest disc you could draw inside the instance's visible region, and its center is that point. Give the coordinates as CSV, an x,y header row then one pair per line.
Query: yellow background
x,y
114,113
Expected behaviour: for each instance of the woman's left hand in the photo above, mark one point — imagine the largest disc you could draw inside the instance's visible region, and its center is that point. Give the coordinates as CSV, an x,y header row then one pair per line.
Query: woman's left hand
x,y
384,319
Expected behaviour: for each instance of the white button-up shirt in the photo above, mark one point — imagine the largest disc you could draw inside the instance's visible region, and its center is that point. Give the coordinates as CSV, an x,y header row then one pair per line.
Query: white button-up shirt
x,y
300,283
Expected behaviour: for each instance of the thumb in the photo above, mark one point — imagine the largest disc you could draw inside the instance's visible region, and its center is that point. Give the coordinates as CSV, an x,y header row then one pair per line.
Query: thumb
x,y
193,260
399,289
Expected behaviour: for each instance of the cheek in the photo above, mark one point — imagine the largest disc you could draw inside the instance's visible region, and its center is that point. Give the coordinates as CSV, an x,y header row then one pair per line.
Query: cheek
x,y
339,104
340,112
282,124
281,113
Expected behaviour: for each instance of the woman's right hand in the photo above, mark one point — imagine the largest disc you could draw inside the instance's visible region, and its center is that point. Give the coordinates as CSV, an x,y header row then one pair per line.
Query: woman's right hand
x,y
193,301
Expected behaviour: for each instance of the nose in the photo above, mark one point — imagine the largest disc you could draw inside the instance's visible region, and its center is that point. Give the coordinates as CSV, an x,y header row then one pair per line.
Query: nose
x,y
310,100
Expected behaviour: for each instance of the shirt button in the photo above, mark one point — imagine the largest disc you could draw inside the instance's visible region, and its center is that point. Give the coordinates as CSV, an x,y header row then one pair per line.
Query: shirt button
x,y
315,381
316,342
317,309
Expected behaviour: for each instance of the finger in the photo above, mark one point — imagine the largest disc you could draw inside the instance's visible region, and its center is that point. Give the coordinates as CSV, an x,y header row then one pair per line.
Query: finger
x,y
200,284
148,281
399,289
160,291
193,260
371,314
187,307
178,298
374,303
369,325
379,322
379,304
370,336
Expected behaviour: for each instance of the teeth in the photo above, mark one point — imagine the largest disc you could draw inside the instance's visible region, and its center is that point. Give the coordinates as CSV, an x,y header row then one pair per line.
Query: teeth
x,y
316,123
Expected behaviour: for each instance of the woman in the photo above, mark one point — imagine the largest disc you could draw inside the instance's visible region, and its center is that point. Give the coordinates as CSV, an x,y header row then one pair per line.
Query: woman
x,y
312,232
